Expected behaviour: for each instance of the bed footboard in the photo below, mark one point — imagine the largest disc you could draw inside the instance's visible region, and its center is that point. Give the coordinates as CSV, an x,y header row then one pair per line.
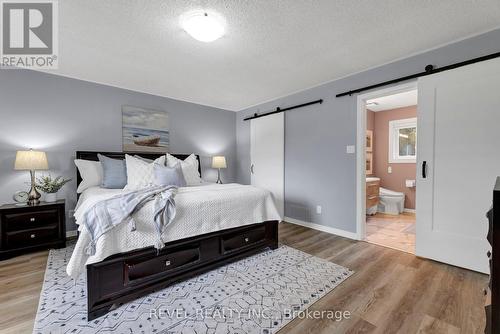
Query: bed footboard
x,y
127,276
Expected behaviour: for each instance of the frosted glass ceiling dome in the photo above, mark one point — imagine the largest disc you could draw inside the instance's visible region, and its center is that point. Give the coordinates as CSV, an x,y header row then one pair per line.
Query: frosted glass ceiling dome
x,y
204,26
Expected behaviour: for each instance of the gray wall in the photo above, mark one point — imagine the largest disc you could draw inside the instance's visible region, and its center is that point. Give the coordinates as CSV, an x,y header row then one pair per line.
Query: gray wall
x,y
62,115
317,169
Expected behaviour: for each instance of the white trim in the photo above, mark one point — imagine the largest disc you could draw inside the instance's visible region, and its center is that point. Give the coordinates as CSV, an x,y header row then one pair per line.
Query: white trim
x,y
409,210
322,228
361,149
394,127
71,234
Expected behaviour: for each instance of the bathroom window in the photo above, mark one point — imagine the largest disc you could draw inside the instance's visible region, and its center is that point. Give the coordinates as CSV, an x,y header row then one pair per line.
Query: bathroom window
x,y
403,141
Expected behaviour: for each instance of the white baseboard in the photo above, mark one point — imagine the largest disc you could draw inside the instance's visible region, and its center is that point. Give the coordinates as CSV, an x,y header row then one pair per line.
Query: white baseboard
x,y
322,228
409,210
71,234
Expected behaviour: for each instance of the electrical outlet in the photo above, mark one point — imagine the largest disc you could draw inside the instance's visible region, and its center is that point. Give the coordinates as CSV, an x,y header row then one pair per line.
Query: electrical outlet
x,y
389,170
350,149
318,209
71,213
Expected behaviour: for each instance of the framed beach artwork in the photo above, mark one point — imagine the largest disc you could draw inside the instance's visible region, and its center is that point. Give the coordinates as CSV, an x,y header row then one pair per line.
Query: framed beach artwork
x,y
144,130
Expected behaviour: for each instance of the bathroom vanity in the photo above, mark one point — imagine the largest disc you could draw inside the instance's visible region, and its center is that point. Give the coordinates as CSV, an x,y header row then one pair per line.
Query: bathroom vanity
x,y
372,193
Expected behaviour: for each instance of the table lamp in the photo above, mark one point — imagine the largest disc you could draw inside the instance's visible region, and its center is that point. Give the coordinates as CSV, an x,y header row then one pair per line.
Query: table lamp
x,y
32,161
219,161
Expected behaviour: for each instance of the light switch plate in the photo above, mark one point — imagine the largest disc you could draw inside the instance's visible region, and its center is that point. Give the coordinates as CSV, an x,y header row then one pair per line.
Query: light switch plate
x,y
389,169
350,149
318,209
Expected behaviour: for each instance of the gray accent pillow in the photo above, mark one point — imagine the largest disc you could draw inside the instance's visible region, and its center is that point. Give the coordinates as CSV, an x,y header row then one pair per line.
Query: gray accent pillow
x,y
169,176
114,172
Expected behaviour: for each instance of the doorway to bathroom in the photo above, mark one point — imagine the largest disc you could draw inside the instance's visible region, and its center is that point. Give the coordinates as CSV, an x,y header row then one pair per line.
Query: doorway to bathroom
x,y
388,158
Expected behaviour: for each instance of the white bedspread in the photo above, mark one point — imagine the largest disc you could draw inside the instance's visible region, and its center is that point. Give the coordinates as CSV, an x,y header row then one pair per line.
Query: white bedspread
x,y
200,210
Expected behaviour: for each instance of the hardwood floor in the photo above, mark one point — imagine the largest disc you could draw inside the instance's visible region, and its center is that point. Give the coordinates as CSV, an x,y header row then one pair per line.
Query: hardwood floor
x,y
390,292
21,280
394,231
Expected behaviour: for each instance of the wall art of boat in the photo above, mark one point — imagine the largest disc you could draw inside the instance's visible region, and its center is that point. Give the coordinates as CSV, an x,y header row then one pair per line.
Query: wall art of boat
x,y
147,141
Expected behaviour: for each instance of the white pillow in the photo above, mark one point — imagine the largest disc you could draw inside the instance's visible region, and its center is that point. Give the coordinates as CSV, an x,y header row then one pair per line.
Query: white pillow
x,y
140,173
189,168
91,173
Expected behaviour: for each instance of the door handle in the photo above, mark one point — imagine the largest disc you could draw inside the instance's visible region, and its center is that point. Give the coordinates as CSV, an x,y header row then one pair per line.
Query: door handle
x,y
251,169
424,169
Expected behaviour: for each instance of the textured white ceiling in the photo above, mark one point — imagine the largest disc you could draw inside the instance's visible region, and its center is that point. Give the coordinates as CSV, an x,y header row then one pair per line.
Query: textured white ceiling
x,y
389,102
272,47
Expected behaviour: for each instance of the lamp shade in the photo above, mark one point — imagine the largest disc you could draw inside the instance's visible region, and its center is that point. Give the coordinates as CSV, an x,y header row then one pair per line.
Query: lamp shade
x,y
219,161
31,160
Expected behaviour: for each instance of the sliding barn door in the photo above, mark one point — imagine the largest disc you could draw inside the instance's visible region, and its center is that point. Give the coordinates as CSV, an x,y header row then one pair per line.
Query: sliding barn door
x,y
268,156
459,159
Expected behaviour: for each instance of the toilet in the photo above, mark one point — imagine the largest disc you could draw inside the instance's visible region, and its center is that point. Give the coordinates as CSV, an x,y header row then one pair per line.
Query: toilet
x,y
391,202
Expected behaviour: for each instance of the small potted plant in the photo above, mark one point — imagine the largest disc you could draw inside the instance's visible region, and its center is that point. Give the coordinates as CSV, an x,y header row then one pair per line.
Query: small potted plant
x,y
50,186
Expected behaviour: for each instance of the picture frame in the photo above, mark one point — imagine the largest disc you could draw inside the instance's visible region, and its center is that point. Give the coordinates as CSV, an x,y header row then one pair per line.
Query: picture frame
x,y
145,130
369,163
369,141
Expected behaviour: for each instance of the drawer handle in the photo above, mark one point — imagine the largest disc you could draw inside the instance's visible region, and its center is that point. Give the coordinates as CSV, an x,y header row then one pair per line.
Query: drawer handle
x,y
32,236
167,263
247,240
32,219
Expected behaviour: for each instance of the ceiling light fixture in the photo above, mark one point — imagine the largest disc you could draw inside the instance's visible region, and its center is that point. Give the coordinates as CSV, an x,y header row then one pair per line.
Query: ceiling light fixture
x,y
203,26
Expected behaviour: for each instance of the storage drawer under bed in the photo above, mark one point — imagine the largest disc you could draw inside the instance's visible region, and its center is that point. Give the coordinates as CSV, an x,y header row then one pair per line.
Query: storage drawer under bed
x,y
233,242
164,263
190,255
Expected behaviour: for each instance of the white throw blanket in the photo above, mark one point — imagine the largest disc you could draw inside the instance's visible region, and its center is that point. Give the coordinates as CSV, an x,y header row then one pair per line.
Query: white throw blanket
x,y
199,210
104,215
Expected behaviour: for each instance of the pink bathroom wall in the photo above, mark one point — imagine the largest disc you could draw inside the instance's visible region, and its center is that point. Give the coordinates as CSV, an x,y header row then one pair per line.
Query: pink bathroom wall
x,y
370,120
400,171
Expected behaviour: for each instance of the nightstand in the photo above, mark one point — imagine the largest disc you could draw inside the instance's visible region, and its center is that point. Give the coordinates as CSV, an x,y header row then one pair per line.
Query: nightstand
x,y
24,229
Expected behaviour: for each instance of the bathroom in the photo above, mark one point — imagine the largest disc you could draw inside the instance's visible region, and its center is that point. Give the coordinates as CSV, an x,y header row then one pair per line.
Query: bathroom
x,y
391,148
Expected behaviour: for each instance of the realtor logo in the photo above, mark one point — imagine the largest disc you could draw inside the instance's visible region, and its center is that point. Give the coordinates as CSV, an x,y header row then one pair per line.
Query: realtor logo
x,y
29,37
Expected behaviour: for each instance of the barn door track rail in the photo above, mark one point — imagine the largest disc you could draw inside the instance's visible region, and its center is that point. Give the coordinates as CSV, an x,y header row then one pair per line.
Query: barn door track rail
x,y
278,109
429,69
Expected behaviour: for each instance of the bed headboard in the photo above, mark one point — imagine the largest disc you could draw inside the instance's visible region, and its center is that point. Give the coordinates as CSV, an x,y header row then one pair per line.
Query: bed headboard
x,y
92,155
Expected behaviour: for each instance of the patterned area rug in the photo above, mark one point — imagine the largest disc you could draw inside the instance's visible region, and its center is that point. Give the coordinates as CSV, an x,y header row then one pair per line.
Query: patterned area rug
x,y
259,294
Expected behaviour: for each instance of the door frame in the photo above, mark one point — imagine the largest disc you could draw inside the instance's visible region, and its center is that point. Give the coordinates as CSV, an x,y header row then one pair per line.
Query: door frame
x,y
361,148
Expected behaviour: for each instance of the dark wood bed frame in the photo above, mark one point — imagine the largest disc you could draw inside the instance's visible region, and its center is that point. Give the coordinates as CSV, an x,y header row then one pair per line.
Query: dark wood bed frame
x,y
126,276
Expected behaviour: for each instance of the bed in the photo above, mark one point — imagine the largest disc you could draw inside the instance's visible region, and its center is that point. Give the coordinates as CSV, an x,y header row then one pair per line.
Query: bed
x,y
214,239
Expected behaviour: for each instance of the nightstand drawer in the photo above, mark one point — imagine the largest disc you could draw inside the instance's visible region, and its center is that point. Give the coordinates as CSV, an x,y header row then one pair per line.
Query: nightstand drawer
x,y
27,220
26,228
32,237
